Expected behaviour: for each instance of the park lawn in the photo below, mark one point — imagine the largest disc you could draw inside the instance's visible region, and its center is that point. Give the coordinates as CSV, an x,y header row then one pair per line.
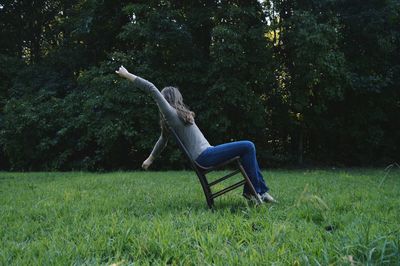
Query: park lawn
x,y
340,217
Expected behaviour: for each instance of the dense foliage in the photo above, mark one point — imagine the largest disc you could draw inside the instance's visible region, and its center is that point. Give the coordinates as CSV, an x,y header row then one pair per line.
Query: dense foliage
x,y
310,82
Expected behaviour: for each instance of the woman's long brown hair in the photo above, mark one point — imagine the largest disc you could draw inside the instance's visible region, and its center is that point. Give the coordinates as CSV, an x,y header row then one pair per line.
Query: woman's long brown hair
x,y
175,99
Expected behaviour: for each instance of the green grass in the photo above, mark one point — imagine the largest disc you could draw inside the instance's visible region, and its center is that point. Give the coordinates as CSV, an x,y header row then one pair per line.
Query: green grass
x,y
339,217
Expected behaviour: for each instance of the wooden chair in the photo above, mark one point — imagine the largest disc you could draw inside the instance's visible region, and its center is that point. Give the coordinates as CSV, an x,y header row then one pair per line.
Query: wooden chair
x,y
202,171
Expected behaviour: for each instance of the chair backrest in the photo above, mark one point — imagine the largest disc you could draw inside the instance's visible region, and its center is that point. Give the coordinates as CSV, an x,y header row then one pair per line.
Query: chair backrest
x,y
198,168
182,146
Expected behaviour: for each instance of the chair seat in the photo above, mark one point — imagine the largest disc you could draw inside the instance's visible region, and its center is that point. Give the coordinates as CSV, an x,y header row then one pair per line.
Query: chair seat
x,y
215,167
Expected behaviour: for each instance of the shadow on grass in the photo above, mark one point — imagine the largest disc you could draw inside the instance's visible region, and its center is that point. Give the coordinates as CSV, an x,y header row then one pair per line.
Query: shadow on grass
x,y
196,205
234,206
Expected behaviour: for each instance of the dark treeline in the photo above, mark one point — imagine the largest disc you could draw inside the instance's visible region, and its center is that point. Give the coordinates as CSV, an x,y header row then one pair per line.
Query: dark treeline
x,y
312,83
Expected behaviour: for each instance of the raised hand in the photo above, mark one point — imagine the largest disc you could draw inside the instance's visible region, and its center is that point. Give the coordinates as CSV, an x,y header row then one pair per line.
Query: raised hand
x,y
122,72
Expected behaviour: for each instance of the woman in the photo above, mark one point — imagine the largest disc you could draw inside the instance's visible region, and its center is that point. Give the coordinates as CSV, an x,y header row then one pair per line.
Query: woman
x,y
181,119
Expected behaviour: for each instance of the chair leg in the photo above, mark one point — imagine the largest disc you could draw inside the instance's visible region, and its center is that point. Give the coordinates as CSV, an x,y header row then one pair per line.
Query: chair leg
x,y
210,203
248,181
206,190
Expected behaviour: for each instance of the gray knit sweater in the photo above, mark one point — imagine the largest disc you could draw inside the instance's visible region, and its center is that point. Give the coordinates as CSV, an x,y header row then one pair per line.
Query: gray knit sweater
x,y
190,134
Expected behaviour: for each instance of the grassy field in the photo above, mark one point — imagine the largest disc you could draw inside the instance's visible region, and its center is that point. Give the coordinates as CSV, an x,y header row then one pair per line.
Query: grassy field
x,y
339,217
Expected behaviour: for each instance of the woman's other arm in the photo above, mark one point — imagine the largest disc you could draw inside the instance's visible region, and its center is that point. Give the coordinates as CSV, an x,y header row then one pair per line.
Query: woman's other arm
x,y
157,149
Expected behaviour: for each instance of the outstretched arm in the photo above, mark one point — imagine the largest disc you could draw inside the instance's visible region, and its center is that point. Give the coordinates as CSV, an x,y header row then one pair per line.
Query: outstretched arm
x,y
167,110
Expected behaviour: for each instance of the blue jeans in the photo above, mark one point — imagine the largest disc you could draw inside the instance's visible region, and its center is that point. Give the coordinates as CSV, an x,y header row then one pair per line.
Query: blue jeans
x,y
247,152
